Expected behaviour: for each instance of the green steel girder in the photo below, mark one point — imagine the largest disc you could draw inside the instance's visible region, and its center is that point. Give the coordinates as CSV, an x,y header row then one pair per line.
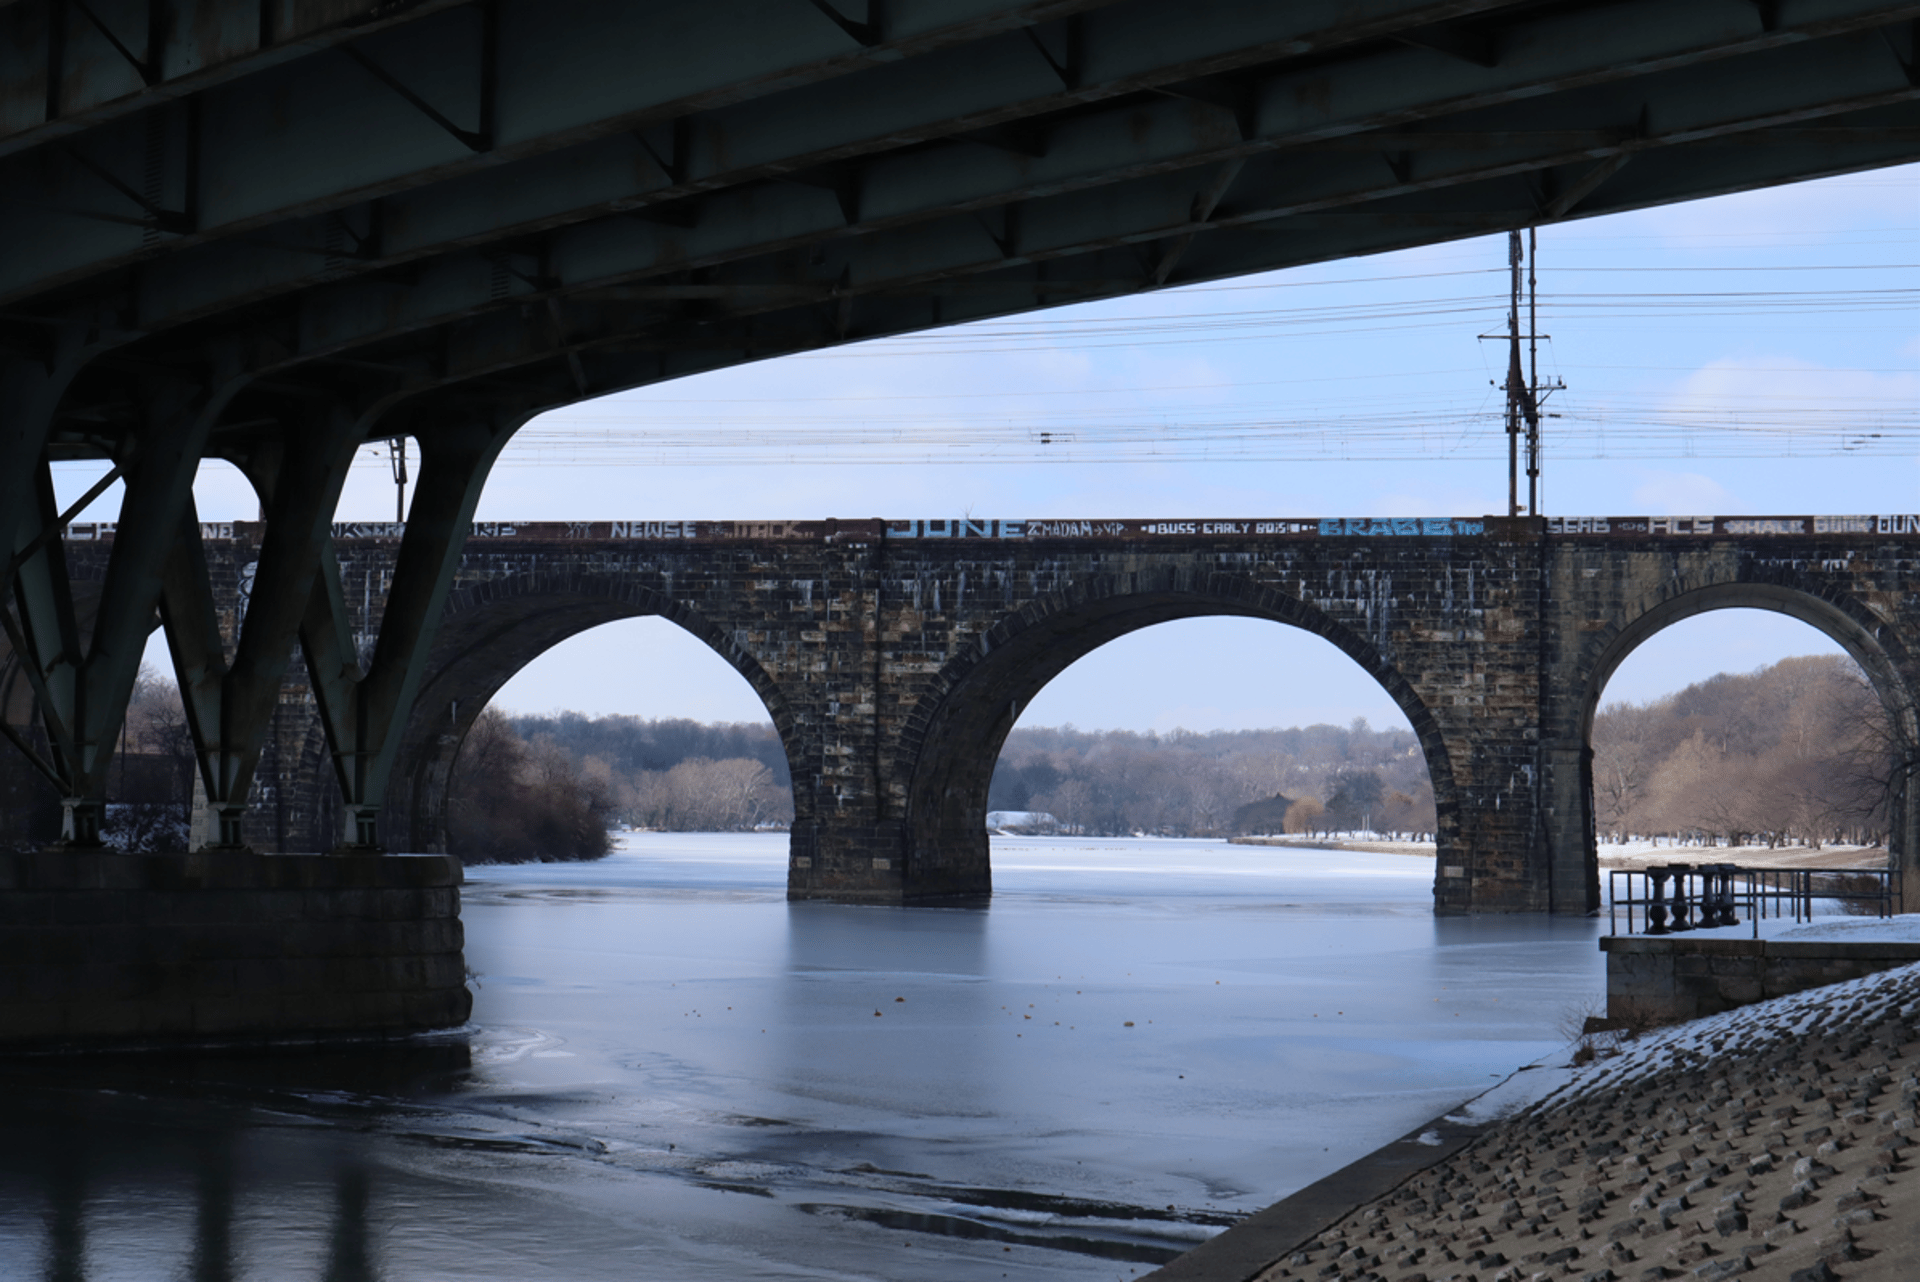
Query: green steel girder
x,y
1584,127
1161,137
894,112
230,703
628,336
549,75
1272,193
364,700
61,73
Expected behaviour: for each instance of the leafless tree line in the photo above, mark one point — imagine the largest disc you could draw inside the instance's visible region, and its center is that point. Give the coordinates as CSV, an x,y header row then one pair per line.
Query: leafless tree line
x,y
704,795
514,801
1800,753
1308,779
674,774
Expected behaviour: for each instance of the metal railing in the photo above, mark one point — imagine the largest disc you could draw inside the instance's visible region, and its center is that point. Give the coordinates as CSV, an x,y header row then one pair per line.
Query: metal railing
x,y
1680,897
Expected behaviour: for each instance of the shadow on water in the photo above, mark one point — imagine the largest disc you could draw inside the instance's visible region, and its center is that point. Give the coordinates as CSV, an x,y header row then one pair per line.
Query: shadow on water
x,y
145,1163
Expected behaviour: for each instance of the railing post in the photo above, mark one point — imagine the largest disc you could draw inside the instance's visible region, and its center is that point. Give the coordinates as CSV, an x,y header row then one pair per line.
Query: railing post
x,y
1680,906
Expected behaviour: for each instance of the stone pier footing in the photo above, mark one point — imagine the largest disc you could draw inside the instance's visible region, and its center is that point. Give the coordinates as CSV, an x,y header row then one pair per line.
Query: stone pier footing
x,y
1667,978
100,947
880,864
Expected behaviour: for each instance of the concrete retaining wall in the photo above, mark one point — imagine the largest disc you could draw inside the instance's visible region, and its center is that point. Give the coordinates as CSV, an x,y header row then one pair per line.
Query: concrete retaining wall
x,y
111,947
1667,978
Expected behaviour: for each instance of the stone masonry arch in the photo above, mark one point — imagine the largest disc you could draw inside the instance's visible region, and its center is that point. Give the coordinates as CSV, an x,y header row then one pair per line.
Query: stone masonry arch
x,y
495,628
1651,592
1850,623
976,699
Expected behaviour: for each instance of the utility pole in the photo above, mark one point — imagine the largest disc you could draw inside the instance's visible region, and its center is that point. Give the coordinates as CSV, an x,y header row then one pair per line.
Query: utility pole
x,y
1523,389
1513,375
398,453
1533,373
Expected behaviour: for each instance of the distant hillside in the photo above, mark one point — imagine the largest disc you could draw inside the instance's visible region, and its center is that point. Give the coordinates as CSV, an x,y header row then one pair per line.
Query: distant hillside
x,y
1801,752
1185,784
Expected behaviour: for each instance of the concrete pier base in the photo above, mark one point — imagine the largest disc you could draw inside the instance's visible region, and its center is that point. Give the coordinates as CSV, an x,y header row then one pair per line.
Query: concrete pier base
x,y
102,947
1669,978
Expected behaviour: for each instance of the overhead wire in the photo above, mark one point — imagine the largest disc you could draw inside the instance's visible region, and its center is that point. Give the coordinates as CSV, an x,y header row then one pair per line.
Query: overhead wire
x,y
967,429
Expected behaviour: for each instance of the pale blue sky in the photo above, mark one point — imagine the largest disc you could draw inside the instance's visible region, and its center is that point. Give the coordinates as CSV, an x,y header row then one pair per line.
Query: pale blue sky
x,y
1755,312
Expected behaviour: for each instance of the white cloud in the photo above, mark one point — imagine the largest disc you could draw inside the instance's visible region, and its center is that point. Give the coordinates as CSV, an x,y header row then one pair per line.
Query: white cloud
x,y
1772,384
1810,213
1681,494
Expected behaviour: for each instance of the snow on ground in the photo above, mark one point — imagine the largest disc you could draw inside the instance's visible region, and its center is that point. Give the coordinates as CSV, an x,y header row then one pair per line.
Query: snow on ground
x,y
1751,1029
1368,843
1646,854
1769,1142
1829,923
1874,996
1904,929
1626,855
1519,1092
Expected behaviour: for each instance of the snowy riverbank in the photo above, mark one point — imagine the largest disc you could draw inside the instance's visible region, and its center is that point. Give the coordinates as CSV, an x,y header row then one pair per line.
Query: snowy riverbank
x,y
1625,855
1765,1142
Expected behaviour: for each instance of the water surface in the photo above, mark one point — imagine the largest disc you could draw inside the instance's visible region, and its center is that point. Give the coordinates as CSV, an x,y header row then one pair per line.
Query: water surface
x,y
674,1073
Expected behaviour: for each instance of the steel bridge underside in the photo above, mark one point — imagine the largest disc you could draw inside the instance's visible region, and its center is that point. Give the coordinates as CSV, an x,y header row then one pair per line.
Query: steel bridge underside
x,y
267,231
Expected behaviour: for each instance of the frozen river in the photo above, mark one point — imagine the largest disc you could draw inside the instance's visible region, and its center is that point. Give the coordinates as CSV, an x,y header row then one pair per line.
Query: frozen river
x,y
673,1073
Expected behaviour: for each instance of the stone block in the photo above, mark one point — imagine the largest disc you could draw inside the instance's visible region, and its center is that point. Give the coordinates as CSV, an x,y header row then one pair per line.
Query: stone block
x,y
217,949
398,904
27,908
230,1013
1688,965
29,1020
443,970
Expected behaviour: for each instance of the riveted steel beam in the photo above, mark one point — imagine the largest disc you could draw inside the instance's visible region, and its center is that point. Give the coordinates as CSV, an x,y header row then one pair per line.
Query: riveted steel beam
x,y
1384,90
676,116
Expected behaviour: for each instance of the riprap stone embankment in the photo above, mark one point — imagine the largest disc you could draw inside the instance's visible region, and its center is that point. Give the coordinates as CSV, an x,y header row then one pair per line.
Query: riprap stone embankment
x,y
1769,1143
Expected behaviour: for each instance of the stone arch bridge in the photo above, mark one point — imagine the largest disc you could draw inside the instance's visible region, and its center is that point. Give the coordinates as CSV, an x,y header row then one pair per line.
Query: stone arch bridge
x,y
895,656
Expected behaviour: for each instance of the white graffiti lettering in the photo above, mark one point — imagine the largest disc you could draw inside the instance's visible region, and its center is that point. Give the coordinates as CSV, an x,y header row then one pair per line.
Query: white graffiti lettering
x,y
1843,525
1681,525
1774,526
501,530
653,530
967,527
1577,525
1285,527
1896,525
366,530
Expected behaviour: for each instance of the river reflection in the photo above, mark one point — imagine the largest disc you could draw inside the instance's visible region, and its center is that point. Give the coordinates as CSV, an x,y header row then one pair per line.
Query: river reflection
x,y
674,1073
202,1166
